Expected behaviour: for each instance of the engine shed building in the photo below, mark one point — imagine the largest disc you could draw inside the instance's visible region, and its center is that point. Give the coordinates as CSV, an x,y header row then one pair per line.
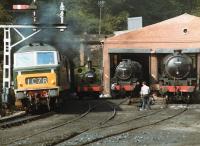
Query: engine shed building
x,y
150,43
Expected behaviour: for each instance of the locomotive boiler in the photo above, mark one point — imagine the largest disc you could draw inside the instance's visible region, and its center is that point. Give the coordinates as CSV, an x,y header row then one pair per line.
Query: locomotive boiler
x,y
127,73
88,80
40,75
178,80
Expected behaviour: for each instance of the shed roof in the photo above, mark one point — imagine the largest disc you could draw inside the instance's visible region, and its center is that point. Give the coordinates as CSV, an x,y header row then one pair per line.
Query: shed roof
x,y
181,29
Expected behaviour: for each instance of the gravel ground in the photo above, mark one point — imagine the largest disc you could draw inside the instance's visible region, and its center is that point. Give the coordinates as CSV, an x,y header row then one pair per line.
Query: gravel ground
x,y
183,130
180,130
72,110
68,112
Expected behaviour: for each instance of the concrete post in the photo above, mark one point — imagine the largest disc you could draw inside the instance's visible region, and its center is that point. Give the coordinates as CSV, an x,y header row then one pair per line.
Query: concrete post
x,y
198,70
153,68
106,72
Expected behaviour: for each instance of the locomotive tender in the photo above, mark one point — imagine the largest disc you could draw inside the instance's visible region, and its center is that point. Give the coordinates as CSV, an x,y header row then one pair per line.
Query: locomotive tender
x,y
178,80
40,74
127,73
88,80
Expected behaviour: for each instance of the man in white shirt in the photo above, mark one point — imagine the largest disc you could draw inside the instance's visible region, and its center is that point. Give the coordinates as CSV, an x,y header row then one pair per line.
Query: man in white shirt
x,y
145,91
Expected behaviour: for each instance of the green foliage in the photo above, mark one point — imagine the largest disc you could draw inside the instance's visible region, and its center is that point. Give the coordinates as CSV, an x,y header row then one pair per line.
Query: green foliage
x,y
80,22
111,23
196,9
83,15
4,17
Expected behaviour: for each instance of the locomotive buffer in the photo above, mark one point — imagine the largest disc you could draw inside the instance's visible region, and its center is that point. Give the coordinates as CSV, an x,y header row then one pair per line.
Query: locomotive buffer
x,y
8,46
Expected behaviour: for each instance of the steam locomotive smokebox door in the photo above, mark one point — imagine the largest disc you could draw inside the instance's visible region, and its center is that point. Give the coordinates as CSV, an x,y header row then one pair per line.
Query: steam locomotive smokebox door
x,y
116,62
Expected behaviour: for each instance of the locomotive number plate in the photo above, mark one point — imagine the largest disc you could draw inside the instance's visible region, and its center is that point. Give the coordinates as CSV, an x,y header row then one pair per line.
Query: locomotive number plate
x,y
37,80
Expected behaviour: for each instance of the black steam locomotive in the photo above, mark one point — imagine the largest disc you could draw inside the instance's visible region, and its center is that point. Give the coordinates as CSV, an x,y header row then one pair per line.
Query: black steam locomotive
x,y
127,73
178,80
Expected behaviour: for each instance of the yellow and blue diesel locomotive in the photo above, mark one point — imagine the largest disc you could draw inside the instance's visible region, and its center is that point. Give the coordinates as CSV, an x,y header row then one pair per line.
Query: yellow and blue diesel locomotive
x,y
88,80
40,75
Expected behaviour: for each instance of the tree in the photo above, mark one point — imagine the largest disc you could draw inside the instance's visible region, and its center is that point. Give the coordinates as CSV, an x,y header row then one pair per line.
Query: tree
x,y
4,17
83,15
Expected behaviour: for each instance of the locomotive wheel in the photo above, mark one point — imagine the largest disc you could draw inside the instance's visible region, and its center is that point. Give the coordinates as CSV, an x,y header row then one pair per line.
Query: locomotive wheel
x,y
80,96
122,94
167,100
34,108
116,94
113,94
48,104
54,104
26,104
94,95
187,99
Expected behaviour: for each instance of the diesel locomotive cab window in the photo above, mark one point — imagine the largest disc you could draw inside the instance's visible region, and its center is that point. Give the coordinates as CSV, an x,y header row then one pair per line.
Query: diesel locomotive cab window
x,y
24,59
45,58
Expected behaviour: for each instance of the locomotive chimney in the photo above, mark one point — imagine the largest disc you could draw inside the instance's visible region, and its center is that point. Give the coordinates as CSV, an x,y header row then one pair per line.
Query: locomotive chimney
x,y
89,64
82,54
177,51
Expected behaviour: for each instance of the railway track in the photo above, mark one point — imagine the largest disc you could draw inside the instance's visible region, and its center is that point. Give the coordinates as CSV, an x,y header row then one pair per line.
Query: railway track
x,y
12,117
73,140
53,127
131,129
19,120
90,108
100,123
